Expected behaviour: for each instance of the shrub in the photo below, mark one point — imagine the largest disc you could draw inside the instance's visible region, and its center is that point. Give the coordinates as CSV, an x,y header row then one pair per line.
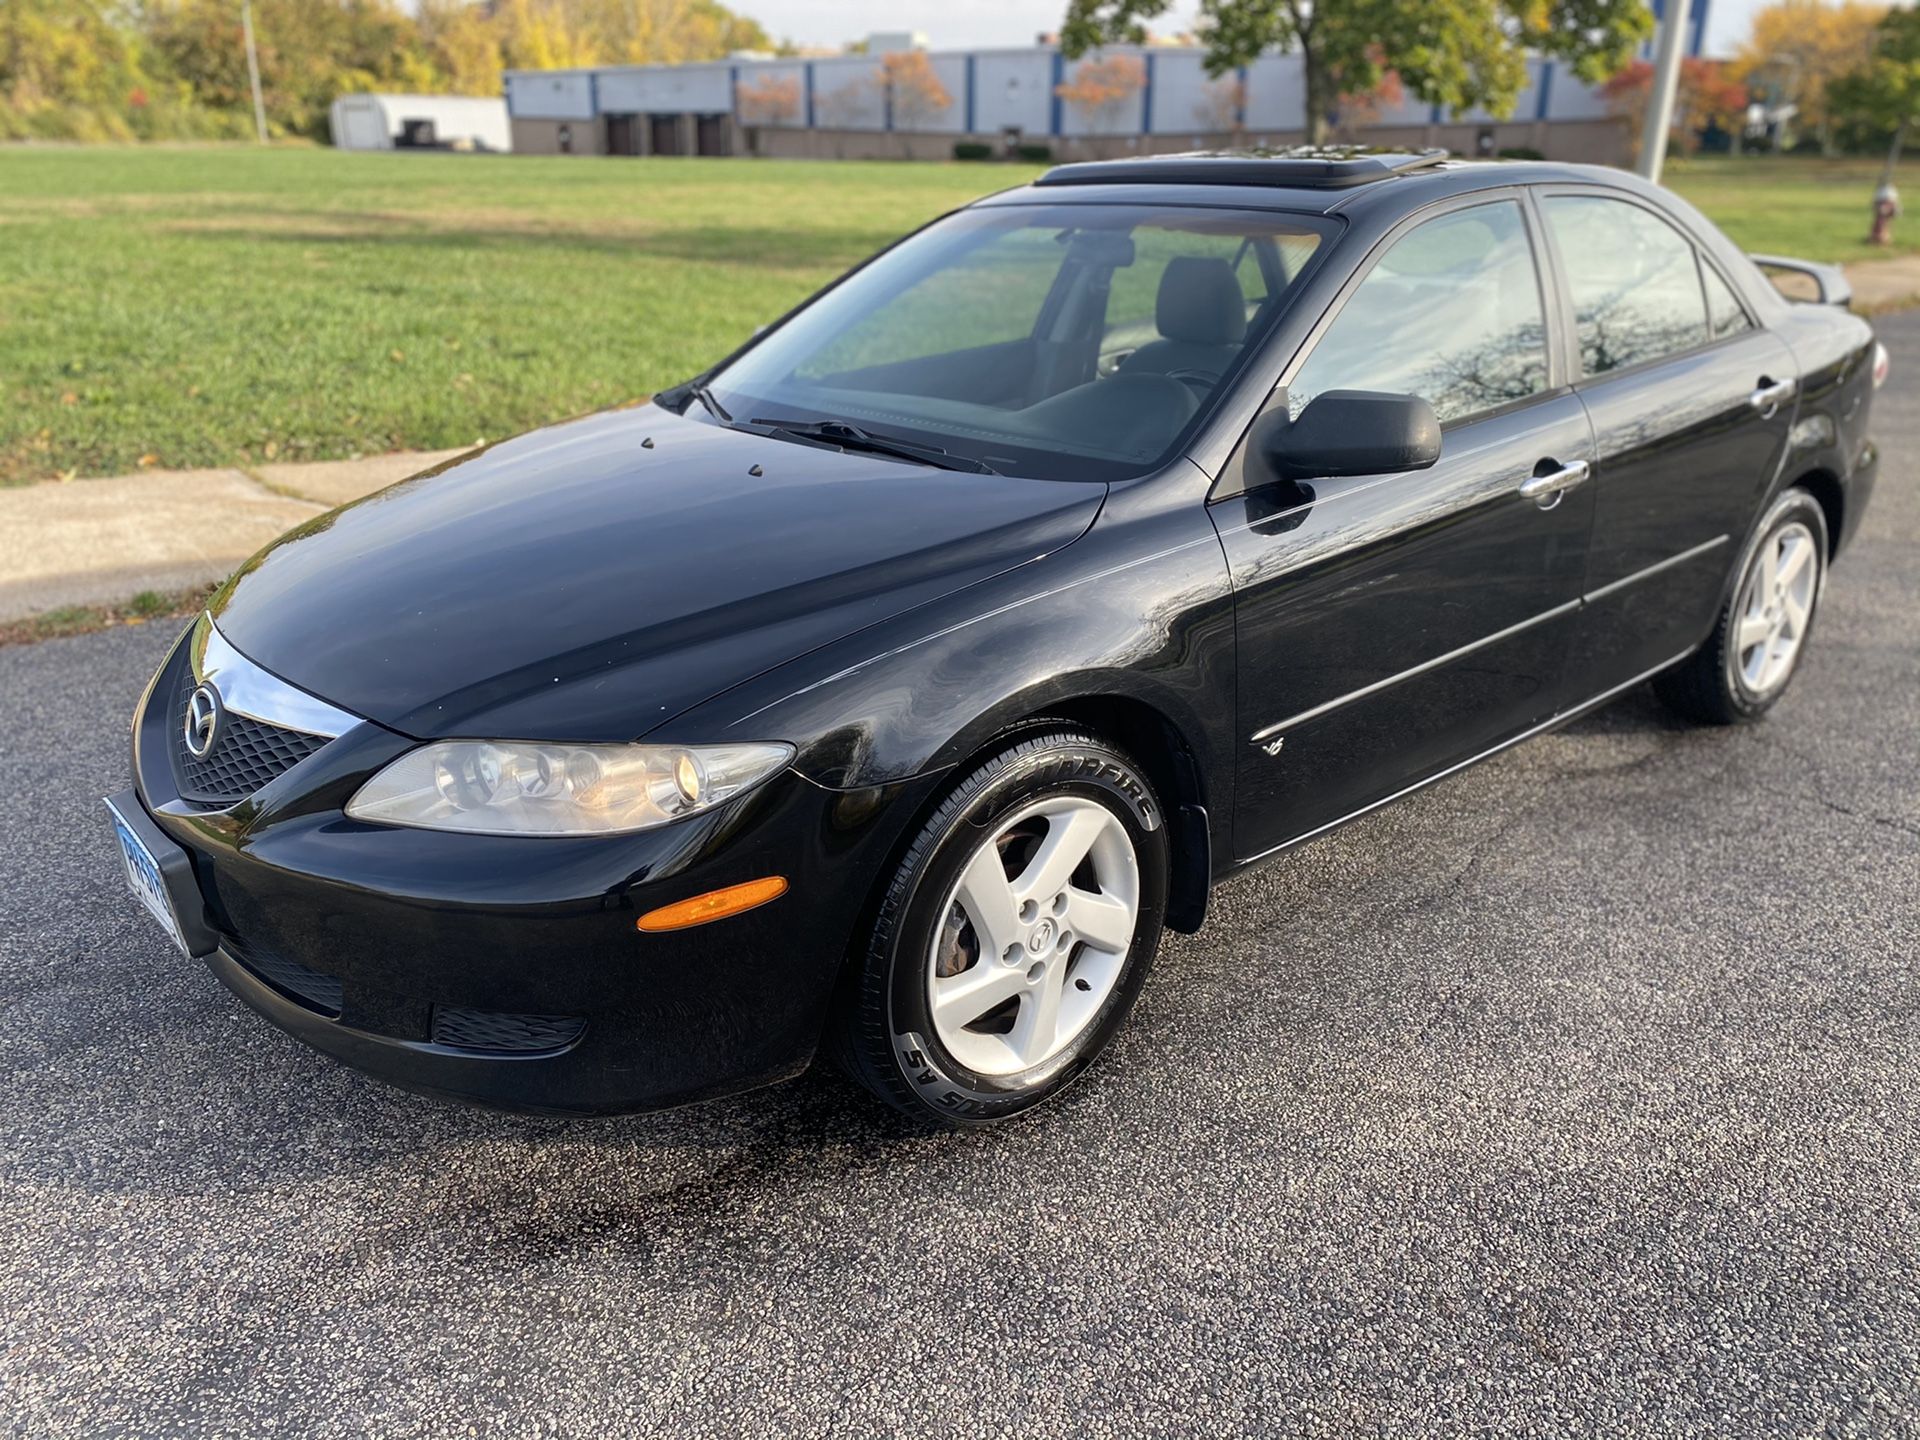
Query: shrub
x,y
972,150
1034,154
1522,152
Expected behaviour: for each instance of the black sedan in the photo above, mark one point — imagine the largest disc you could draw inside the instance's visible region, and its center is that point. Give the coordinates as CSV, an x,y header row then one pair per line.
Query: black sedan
x,y
889,687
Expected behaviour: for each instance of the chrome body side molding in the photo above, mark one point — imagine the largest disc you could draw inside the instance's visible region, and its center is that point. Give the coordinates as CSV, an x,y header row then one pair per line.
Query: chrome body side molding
x,y
1264,736
1571,713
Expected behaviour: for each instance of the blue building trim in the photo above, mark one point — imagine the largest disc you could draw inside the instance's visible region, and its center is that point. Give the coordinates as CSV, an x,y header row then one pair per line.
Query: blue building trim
x,y
593,96
809,96
1240,99
1146,97
733,91
506,93
1545,97
972,69
1053,93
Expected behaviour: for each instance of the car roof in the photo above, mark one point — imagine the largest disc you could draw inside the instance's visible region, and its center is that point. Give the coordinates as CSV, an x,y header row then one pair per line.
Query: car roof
x,y
1301,179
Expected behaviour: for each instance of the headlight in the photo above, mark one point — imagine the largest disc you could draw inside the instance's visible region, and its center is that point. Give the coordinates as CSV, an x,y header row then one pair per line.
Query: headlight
x,y
517,787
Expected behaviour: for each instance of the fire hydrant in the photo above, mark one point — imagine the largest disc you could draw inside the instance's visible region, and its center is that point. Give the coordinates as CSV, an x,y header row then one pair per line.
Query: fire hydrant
x,y
1886,205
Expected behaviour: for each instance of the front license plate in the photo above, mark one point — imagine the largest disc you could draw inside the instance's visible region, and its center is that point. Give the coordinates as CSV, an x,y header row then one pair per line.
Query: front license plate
x,y
143,878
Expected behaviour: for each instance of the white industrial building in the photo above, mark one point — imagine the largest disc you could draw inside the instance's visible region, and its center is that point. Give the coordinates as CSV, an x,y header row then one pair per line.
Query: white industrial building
x,y
841,107
447,122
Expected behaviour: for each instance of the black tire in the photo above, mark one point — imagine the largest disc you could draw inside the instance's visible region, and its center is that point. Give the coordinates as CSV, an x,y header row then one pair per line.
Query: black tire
x,y
884,1035
1709,687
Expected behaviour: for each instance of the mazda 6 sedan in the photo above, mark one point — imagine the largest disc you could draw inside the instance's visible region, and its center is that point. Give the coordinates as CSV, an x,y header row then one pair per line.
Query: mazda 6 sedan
x,y
885,690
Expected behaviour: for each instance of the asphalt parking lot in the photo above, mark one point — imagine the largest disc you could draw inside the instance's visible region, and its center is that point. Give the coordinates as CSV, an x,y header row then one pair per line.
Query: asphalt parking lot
x,y
1578,1095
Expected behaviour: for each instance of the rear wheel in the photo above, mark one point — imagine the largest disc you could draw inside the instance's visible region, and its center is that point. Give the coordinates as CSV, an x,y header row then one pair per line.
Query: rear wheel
x,y
1014,936
1748,661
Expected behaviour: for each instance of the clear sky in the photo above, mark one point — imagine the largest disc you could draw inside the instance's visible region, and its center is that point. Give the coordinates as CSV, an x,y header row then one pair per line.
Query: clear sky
x,y
966,24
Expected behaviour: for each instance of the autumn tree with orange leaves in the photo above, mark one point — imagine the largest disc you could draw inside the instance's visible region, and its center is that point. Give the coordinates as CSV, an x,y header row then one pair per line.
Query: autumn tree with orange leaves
x,y
770,100
1798,48
913,90
1708,96
1102,88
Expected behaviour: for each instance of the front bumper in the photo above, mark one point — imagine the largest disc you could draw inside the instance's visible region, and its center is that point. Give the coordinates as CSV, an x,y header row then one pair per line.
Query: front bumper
x,y
508,971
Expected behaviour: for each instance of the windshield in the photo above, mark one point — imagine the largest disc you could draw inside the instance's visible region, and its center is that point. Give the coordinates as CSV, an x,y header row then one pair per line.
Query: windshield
x,y
1069,341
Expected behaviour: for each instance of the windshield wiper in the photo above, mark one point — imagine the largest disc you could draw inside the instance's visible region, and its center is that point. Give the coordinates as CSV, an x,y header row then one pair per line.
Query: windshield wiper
x,y
700,392
852,437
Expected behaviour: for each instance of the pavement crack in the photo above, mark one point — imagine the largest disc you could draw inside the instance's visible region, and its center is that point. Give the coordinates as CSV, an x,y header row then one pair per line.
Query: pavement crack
x,y
1884,821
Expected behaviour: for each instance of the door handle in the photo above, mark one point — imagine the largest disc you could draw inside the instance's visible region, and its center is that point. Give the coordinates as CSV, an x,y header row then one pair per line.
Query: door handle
x,y
1771,395
1547,488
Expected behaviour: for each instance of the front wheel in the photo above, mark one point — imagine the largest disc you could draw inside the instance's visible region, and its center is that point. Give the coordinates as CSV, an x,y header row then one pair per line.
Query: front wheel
x,y
1013,937
1747,662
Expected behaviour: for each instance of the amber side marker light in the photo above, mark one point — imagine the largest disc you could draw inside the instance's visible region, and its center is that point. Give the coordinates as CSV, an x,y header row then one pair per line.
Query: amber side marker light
x,y
714,905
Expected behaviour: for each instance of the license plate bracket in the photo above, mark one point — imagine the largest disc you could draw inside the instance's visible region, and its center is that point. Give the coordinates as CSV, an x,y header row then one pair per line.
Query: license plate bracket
x,y
160,874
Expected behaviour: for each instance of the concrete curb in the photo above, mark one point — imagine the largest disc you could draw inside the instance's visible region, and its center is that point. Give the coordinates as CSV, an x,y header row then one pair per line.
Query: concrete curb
x,y
1882,285
100,542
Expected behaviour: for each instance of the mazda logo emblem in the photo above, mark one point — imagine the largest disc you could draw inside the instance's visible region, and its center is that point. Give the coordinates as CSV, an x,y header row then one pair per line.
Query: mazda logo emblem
x,y
202,725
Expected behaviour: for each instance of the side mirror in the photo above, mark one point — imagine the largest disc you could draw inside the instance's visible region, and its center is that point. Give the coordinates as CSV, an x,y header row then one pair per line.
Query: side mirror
x,y
1353,432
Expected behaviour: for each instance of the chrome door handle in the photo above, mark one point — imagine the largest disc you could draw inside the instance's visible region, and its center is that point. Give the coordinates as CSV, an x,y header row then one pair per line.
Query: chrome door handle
x,y
1548,487
1769,398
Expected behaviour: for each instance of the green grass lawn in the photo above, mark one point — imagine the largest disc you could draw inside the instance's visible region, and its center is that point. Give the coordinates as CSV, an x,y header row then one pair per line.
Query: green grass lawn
x,y
1796,205
228,305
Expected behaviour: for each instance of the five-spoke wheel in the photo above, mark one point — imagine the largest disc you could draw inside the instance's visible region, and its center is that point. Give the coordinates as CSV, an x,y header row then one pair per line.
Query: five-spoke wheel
x,y
1745,665
1776,606
1015,934
1036,931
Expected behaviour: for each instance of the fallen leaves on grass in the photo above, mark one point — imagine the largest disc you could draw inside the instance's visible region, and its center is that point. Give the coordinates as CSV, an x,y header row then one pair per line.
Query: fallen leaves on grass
x,y
85,619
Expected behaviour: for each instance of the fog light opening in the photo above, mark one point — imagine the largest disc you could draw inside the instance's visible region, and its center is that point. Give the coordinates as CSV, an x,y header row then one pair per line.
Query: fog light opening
x,y
714,905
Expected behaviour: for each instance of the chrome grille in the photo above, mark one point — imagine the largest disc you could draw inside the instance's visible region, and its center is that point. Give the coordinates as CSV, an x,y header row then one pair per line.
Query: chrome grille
x,y
261,726
246,754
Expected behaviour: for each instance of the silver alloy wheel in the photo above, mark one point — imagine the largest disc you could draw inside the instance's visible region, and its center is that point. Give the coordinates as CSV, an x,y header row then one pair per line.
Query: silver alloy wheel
x,y
1776,606
1035,935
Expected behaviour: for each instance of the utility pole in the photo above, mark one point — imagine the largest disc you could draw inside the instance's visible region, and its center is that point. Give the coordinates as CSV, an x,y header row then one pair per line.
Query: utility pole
x,y
1666,86
253,71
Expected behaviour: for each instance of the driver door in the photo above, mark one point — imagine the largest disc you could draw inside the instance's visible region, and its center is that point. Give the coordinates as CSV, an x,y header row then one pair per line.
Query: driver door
x,y
1390,627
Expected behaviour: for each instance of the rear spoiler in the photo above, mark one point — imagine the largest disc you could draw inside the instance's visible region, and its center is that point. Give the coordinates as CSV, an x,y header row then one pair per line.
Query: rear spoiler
x,y
1807,280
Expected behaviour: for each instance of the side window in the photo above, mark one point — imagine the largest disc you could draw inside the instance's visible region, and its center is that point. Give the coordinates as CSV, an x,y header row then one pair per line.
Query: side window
x,y
1451,313
1633,278
1724,313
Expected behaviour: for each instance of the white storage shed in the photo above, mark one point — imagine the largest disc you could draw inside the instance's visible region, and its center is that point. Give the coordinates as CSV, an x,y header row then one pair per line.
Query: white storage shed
x,y
388,122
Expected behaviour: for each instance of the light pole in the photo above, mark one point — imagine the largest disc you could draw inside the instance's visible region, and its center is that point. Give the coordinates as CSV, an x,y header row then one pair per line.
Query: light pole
x,y
1666,85
253,71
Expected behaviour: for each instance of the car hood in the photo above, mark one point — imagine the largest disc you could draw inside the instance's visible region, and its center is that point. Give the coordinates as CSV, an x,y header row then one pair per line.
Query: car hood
x,y
589,581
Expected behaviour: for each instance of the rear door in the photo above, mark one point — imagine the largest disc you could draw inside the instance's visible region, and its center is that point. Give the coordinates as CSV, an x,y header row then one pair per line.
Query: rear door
x,y
1392,626
1691,403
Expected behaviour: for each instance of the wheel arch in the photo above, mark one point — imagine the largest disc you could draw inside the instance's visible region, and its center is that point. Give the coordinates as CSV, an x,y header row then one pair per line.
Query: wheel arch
x,y
1149,731
1826,489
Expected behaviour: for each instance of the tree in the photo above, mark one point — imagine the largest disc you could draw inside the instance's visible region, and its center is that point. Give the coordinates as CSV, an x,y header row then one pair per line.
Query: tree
x,y
914,94
1708,96
1102,88
770,100
1798,48
1357,109
1885,91
1456,53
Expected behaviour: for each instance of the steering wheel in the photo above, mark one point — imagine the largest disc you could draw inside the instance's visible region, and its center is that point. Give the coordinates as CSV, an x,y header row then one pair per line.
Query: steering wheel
x,y
1200,381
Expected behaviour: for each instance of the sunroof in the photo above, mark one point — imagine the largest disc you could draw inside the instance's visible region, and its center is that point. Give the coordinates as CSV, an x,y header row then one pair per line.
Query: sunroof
x,y
1323,169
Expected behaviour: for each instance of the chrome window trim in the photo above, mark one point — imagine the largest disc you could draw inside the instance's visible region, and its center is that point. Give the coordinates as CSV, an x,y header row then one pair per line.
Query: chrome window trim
x,y
246,689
